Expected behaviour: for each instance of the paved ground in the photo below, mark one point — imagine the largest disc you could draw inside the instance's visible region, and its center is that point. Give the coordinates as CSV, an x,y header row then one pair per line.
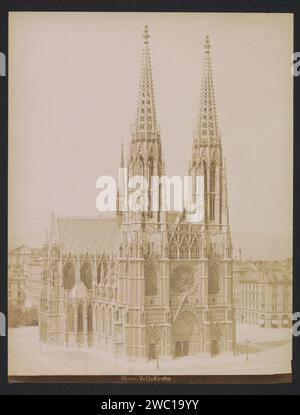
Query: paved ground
x,y
268,352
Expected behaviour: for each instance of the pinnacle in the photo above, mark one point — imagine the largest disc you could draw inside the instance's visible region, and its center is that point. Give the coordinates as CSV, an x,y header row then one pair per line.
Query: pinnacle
x,y
146,112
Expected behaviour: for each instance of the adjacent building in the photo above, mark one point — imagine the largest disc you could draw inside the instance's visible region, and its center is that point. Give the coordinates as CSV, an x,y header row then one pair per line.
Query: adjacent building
x,y
24,276
263,293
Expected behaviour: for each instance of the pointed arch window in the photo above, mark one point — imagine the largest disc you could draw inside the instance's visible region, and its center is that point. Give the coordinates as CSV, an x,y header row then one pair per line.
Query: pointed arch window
x,y
69,276
212,190
102,272
86,274
205,188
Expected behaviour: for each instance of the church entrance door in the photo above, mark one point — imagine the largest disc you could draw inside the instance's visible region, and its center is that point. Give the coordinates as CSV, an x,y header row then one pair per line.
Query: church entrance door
x,y
181,348
186,335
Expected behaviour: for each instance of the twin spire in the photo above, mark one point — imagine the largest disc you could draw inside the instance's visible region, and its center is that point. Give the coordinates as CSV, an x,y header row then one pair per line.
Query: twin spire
x,y
146,122
207,126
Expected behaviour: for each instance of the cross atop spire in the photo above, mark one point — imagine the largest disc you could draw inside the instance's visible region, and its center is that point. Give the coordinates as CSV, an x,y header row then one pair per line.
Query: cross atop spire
x,y
145,124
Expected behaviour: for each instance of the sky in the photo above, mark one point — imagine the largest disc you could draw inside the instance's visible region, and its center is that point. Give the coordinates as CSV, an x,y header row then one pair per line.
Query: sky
x,y
73,81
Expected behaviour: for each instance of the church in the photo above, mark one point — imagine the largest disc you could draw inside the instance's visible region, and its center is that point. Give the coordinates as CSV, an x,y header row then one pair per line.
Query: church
x,y
152,284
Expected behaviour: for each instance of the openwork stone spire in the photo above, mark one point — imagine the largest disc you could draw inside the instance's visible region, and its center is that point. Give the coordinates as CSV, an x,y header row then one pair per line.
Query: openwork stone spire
x,y
207,154
146,115
207,127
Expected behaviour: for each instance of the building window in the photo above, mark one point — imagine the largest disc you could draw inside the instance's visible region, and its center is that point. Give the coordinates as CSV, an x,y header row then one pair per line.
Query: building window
x,y
69,276
86,274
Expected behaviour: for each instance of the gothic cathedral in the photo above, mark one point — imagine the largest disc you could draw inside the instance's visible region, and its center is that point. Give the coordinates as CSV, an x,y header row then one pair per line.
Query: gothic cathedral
x,y
147,285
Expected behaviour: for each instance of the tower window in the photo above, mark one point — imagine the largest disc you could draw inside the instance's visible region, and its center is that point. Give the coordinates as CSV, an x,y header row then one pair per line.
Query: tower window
x,y
212,190
151,280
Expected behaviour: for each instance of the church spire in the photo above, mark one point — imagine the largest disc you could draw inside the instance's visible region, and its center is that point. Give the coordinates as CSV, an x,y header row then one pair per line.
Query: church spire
x,y
145,153
207,153
207,126
145,122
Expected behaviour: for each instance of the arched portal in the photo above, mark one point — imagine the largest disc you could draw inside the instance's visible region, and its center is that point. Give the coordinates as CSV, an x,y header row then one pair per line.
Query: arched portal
x,y
185,335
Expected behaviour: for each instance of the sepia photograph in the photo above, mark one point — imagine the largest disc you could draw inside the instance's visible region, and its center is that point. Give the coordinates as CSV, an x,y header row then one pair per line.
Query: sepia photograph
x,y
150,194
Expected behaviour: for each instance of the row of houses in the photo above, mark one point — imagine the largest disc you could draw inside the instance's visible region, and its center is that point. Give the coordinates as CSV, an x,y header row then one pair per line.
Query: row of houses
x,y
263,292
25,266
262,288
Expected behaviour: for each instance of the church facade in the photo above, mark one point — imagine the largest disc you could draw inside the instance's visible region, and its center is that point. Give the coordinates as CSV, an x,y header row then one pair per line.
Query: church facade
x,y
150,284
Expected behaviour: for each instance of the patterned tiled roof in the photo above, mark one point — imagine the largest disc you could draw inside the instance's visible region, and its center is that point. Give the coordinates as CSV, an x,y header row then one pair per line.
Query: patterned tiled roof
x,y
93,235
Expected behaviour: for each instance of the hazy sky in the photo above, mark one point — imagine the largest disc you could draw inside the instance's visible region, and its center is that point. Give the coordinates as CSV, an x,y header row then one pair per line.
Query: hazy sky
x,y
73,81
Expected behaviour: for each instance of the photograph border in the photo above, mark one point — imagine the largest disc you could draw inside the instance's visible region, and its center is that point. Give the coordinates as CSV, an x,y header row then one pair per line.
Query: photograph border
x,y
288,384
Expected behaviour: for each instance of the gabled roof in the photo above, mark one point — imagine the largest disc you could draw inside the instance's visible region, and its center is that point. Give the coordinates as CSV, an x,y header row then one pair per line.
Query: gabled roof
x,y
94,235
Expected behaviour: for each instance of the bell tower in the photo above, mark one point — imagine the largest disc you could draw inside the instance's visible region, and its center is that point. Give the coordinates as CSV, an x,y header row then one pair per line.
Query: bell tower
x,y
207,161
142,261
145,154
